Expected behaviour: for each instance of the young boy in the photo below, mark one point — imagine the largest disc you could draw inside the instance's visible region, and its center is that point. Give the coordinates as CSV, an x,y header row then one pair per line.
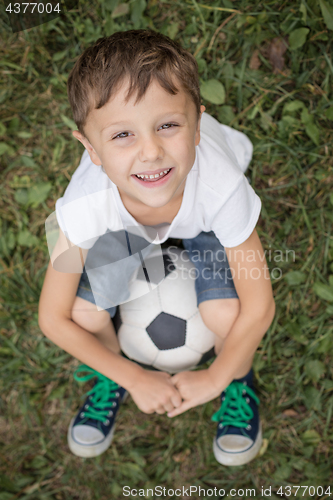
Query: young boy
x,y
155,163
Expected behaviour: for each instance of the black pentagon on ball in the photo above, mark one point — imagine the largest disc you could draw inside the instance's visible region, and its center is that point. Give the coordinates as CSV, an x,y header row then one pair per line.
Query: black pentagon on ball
x,y
154,274
167,331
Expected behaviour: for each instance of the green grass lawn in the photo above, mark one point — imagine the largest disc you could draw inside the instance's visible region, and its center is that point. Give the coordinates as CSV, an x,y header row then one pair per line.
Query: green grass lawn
x,y
273,62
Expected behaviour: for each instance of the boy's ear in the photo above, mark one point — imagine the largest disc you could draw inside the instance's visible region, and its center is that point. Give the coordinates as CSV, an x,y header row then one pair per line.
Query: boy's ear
x,y
197,133
92,153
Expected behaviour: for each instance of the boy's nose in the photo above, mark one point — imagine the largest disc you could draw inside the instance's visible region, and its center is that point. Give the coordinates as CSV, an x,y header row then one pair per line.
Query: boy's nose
x,y
151,149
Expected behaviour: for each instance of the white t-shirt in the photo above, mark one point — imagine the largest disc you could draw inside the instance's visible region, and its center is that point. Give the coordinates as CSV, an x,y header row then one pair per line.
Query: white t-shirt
x,y
217,196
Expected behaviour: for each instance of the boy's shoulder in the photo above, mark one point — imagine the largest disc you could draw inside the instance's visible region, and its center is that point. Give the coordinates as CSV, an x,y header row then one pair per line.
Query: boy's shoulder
x,y
224,142
88,178
87,205
89,186
223,156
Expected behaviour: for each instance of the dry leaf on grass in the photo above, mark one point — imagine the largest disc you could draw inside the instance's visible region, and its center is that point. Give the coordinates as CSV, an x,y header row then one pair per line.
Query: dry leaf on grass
x,y
255,61
264,447
181,457
290,413
276,50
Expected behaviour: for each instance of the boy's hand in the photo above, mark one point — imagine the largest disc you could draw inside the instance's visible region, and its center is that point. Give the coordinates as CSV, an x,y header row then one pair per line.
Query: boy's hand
x,y
195,388
154,392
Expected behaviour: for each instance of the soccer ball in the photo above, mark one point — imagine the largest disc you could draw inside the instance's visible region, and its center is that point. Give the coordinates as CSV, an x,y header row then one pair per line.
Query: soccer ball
x,y
163,329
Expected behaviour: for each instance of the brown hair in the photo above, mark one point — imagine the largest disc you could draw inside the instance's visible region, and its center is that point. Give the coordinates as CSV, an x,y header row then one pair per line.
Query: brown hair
x,y
141,55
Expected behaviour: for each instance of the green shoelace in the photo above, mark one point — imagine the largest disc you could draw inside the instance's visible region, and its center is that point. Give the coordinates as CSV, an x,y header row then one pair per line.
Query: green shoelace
x,y
99,394
235,410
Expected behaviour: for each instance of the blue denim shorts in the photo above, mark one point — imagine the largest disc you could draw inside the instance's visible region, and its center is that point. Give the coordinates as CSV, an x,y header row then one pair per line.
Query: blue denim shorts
x,y
213,278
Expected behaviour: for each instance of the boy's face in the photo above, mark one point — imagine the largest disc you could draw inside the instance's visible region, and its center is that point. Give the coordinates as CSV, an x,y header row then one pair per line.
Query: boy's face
x,y
157,134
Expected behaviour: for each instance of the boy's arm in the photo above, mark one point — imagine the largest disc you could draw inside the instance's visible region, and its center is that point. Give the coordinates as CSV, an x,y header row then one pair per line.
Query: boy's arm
x,y
257,309
150,392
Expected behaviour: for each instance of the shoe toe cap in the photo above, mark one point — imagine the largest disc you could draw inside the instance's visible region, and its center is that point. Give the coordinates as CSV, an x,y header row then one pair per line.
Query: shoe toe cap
x,y
87,435
234,443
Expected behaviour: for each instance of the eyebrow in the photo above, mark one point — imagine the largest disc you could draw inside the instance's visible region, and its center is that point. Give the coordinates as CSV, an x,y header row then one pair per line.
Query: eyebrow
x,y
127,123
114,124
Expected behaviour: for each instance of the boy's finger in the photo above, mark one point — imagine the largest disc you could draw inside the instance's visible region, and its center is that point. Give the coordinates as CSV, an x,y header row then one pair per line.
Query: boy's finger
x,y
160,410
176,401
186,405
170,406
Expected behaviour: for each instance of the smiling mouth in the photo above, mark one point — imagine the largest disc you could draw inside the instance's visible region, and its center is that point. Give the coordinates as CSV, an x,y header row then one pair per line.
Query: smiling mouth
x,y
152,177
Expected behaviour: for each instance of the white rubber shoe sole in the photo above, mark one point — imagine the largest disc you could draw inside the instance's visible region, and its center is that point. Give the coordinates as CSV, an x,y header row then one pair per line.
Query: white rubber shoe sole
x,y
231,459
90,450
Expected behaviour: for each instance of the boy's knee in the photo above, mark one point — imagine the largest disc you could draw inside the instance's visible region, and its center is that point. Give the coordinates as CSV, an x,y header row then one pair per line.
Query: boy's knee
x,y
86,315
219,315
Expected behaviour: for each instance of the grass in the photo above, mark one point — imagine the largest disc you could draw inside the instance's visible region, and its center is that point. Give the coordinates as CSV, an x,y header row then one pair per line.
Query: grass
x,y
288,115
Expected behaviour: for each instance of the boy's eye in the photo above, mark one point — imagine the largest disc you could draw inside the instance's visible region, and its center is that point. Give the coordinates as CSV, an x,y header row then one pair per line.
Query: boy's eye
x,y
168,125
121,135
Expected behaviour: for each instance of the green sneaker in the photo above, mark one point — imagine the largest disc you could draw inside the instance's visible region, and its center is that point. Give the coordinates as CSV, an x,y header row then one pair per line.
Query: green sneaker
x,y
239,435
91,431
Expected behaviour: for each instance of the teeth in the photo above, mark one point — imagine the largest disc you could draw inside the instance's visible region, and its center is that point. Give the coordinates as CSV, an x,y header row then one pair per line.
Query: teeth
x,y
152,176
